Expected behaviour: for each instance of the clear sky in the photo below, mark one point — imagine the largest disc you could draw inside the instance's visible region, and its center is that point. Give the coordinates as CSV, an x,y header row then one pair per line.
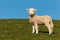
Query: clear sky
x,y
17,8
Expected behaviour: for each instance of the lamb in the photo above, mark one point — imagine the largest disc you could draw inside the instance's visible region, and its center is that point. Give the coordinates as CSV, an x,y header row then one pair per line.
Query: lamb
x,y
35,20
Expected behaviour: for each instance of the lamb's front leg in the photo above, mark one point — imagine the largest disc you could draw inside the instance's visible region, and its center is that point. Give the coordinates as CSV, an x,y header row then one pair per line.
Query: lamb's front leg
x,y
36,28
33,29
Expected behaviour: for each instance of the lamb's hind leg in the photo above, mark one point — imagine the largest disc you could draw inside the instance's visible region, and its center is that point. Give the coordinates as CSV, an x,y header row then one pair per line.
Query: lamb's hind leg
x,y
49,28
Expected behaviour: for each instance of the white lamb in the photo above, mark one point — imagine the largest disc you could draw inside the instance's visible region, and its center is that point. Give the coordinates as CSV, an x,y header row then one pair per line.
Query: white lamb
x,y
47,20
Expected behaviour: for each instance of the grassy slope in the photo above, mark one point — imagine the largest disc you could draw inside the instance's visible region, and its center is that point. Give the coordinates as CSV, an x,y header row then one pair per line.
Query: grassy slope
x,y
18,29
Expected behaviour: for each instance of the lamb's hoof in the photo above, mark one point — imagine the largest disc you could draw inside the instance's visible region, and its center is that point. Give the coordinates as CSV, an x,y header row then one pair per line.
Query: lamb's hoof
x,y
36,33
50,33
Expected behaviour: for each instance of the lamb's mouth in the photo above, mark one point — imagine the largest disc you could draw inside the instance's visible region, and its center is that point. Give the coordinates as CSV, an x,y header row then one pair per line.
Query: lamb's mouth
x,y
32,15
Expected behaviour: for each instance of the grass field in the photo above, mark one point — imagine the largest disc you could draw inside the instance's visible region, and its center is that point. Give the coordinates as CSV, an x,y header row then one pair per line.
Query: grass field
x,y
20,29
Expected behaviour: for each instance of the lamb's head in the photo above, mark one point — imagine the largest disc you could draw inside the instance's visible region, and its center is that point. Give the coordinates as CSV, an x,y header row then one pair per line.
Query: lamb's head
x,y
31,11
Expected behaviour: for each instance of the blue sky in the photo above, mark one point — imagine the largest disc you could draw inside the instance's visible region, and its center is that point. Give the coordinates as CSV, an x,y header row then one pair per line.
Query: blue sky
x,y
17,8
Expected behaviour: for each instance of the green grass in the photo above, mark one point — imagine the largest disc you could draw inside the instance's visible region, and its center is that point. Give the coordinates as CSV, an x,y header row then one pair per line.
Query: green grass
x,y
20,29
